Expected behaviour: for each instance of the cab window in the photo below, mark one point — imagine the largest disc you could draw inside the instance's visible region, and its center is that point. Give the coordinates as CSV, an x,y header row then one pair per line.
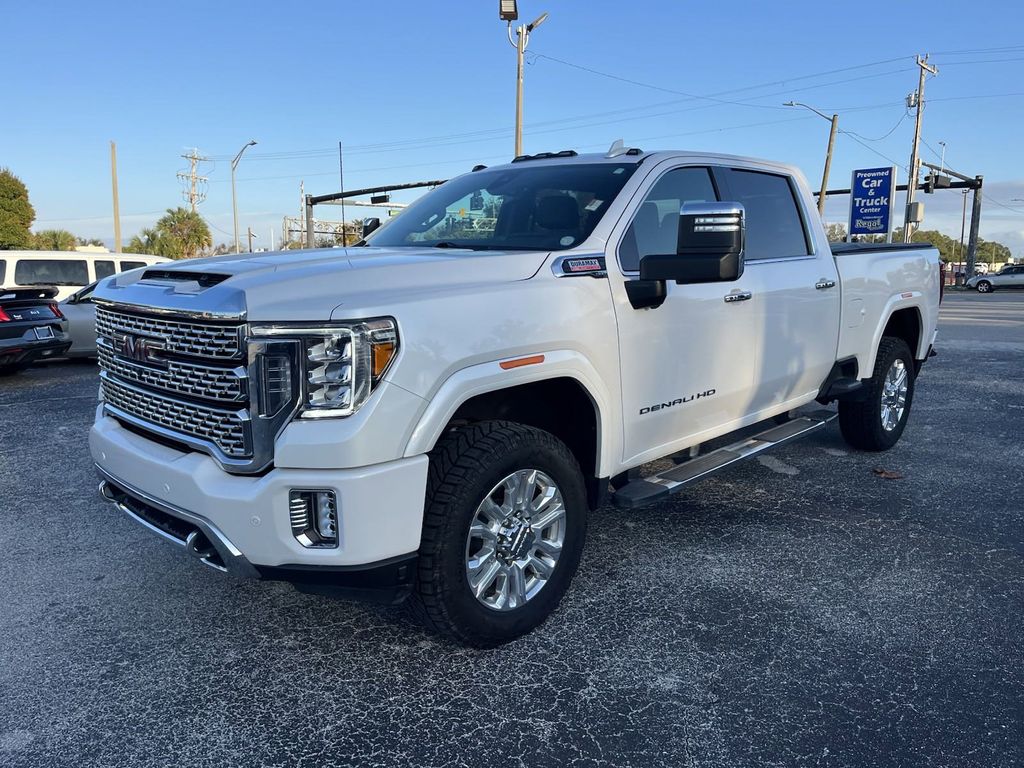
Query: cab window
x,y
3,271
655,227
104,268
51,272
774,224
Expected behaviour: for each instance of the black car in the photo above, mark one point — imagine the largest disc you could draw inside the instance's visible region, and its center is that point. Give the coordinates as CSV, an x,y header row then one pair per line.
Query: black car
x,y
32,327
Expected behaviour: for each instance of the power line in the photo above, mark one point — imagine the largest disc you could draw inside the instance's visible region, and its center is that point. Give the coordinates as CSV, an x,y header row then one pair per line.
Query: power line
x,y
886,135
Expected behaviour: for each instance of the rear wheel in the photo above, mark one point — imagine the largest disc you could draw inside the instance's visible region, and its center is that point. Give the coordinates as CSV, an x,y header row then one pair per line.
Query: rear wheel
x,y
503,530
876,422
984,286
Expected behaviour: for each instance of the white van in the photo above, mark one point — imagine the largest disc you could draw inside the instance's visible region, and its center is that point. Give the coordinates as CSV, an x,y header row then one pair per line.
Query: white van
x,y
69,271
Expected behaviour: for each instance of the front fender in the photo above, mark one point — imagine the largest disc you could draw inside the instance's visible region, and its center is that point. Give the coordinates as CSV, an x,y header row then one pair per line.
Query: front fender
x,y
487,377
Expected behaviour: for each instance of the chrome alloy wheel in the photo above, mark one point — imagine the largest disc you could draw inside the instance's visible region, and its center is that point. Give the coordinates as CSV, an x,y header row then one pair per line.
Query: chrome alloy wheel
x,y
894,395
515,540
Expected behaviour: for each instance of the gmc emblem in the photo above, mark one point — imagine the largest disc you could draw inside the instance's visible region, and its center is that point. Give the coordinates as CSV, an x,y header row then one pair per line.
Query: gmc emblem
x,y
139,349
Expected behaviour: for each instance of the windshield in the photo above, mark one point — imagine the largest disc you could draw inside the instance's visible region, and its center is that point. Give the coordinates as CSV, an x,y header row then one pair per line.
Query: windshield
x,y
542,207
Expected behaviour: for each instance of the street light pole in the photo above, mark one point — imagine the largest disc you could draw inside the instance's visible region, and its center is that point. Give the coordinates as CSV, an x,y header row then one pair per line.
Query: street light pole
x,y
234,198
828,155
509,12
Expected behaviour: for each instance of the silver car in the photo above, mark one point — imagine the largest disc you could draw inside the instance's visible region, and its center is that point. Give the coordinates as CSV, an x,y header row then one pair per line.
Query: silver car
x,y
80,311
1010,276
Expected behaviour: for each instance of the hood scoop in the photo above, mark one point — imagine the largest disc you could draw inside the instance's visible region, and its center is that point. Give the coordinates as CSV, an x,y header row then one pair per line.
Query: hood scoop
x,y
183,280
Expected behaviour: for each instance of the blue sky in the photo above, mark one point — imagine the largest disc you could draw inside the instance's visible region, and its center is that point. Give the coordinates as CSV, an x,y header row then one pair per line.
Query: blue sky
x,y
426,90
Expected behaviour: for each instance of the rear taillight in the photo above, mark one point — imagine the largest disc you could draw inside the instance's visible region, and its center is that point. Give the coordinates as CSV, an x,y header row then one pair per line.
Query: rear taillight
x,y
942,280
56,312
4,317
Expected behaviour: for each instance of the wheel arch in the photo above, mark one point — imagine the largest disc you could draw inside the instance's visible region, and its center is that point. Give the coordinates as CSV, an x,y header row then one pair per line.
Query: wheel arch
x,y
560,400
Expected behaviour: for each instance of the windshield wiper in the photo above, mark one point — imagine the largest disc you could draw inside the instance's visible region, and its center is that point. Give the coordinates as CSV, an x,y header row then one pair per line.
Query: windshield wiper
x,y
450,244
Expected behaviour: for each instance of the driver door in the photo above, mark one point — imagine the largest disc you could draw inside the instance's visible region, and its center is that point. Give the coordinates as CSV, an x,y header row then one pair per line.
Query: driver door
x,y
686,366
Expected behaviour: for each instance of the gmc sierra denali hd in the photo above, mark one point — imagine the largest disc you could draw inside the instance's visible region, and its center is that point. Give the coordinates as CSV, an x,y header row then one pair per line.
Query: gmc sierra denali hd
x,y
431,414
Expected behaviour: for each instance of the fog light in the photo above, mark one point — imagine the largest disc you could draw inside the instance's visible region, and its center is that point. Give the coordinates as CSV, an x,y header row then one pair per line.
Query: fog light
x,y
314,517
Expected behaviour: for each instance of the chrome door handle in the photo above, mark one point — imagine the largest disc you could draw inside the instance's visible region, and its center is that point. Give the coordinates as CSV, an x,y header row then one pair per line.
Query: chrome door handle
x,y
738,296
822,284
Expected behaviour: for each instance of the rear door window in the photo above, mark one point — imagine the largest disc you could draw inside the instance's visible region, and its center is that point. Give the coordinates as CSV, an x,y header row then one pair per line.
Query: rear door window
x,y
51,272
104,268
774,223
3,271
126,265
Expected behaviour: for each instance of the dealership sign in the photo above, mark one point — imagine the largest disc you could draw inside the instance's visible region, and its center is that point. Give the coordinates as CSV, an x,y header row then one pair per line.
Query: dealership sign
x,y
871,201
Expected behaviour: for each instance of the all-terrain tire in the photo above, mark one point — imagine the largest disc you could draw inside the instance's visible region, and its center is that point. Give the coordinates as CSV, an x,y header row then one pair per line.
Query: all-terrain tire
x,y
467,463
861,421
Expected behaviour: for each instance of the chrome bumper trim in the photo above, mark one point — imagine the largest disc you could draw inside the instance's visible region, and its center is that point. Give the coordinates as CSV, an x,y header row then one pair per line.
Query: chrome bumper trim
x,y
235,563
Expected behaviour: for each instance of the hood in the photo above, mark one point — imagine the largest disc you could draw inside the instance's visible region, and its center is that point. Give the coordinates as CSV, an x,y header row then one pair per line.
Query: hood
x,y
310,284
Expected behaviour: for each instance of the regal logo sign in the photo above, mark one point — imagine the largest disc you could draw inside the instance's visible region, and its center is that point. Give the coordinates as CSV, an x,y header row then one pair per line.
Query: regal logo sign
x,y
871,201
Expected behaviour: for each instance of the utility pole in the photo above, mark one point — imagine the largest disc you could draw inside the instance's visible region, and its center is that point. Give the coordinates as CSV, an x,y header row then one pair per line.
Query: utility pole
x,y
251,236
918,101
828,155
117,209
972,241
963,228
509,12
194,194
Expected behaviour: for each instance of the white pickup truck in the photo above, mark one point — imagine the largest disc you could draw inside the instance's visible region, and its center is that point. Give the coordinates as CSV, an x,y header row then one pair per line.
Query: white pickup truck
x,y
431,414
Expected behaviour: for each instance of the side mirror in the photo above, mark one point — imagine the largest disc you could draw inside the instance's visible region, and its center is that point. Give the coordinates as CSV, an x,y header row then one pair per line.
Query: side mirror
x,y
369,225
709,248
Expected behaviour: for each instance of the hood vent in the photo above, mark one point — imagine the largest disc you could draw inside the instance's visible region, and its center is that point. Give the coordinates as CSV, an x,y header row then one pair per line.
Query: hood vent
x,y
204,279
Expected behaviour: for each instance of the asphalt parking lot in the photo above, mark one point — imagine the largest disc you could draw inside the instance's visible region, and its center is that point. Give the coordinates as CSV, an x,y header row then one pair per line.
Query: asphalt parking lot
x,y
798,610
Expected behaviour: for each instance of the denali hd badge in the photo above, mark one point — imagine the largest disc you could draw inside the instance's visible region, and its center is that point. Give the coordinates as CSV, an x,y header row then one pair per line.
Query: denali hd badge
x,y
677,401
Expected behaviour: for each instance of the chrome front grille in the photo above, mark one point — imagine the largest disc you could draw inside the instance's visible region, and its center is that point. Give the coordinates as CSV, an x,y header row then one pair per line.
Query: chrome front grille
x,y
179,336
179,377
227,430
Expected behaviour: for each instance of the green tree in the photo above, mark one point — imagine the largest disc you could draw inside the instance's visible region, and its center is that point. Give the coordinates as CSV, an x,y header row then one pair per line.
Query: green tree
x,y
54,240
836,233
16,212
90,241
147,241
180,234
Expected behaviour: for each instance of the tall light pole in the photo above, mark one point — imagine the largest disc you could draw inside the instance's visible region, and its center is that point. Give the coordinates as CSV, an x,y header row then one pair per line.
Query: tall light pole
x,y
234,198
508,11
828,155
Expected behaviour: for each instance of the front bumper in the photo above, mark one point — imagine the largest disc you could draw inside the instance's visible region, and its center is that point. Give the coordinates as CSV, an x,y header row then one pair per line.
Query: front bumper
x,y
240,524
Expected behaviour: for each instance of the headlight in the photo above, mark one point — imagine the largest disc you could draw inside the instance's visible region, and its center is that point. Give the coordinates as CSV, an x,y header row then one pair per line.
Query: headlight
x,y
342,363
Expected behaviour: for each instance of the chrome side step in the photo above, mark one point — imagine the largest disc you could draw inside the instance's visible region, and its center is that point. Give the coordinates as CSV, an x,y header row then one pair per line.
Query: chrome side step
x,y
647,490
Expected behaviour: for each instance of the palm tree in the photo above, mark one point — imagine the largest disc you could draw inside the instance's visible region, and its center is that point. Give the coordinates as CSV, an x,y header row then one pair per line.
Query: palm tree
x,y
186,232
54,240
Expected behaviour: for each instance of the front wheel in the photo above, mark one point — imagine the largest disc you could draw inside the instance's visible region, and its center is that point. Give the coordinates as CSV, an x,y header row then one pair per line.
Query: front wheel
x,y
503,529
875,422
984,286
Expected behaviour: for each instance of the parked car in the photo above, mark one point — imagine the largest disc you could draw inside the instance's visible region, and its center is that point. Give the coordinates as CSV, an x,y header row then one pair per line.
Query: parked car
x,y
31,328
1010,276
80,311
68,271
433,414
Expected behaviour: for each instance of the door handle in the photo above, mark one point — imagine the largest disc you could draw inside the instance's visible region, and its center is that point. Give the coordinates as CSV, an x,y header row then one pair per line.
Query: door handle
x,y
738,296
825,283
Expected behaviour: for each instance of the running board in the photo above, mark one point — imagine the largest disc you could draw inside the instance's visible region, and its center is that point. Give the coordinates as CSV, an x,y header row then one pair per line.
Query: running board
x,y
656,487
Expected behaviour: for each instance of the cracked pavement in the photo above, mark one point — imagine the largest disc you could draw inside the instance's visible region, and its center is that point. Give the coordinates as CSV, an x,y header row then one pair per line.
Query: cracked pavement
x,y
797,610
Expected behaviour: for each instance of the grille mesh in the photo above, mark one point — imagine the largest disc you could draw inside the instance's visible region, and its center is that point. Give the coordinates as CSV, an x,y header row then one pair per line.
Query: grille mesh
x,y
219,342
225,429
196,386
208,382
